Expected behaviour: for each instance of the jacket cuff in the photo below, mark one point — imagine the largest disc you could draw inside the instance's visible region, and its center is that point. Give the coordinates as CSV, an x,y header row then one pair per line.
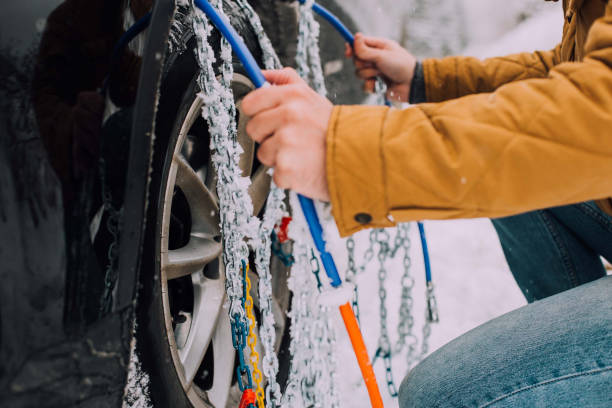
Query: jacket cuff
x,y
436,81
354,166
417,85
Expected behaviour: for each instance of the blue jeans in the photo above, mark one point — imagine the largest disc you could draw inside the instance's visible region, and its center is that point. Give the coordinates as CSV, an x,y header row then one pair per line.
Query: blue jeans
x,y
554,352
550,251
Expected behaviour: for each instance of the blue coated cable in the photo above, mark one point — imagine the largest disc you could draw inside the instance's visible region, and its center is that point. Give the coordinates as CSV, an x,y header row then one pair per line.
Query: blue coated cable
x,y
254,72
334,21
350,38
312,219
238,45
425,251
137,28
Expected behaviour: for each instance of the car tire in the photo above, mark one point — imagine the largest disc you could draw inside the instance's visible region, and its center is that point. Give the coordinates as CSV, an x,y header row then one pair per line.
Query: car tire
x,y
183,333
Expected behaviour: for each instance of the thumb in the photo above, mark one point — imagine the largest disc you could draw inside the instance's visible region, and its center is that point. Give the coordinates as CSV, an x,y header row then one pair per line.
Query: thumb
x,y
285,76
365,50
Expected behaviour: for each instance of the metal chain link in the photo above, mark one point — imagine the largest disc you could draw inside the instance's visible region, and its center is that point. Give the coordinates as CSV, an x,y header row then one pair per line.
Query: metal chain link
x,y
275,210
406,322
308,56
312,376
113,226
381,238
238,225
406,338
316,268
252,338
431,317
353,271
351,276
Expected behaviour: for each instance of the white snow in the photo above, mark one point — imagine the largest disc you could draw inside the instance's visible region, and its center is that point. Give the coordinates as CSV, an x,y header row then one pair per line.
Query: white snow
x,y
136,394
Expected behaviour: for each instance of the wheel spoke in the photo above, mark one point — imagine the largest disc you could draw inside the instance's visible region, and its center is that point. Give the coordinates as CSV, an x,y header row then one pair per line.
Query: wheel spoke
x,y
191,258
259,188
247,158
224,355
206,324
208,301
202,202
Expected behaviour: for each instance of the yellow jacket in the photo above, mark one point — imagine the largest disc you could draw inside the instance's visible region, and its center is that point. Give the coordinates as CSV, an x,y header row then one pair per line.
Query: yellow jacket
x,y
504,136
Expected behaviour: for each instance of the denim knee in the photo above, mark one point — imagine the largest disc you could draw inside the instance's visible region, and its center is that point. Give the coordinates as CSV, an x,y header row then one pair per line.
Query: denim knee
x,y
554,352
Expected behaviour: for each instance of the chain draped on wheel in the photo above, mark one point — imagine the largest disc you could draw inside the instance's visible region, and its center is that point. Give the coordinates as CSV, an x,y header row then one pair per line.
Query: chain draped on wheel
x,y
241,230
312,378
240,227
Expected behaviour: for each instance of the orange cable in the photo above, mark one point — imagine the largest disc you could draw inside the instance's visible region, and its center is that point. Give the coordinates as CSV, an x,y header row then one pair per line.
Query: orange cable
x,y
363,359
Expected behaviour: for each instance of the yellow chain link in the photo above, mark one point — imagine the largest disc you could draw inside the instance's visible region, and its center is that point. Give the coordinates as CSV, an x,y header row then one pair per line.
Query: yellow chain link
x,y
252,342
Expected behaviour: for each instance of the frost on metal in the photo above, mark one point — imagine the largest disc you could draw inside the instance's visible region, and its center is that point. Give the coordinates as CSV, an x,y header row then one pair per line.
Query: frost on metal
x,y
270,59
307,58
274,211
235,204
313,373
137,387
312,377
180,28
240,228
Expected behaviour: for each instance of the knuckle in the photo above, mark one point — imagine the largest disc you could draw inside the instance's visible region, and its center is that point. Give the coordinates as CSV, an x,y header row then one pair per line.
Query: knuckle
x,y
278,180
283,166
263,157
294,91
290,71
247,105
290,113
251,129
284,138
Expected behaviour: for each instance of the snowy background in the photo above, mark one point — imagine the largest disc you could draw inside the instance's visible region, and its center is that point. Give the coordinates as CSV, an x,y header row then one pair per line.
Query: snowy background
x,y
473,282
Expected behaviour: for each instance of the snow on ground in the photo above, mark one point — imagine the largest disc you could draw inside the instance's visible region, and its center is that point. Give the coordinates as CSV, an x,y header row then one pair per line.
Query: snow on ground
x,y
473,282
473,285
540,32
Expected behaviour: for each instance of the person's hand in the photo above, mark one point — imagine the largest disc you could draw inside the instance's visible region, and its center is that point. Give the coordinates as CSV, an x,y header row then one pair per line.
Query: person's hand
x,y
87,125
290,121
375,57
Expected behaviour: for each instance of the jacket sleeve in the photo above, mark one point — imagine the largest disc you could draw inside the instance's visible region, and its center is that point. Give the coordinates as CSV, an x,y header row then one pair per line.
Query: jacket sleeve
x,y
454,77
531,144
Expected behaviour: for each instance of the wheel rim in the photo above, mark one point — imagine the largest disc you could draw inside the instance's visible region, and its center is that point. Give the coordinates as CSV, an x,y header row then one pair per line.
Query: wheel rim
x,y
200,326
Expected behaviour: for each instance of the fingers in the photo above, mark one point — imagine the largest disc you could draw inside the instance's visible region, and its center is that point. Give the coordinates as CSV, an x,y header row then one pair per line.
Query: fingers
x,y
268,154
376,42
282,180
284,171
360,64
283,76
263,99
266,123
369,48
367,73
364,52
270,97
348,50
267,151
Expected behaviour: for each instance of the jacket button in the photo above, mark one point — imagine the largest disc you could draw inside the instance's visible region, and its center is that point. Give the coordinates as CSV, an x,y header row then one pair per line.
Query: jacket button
x,y
363,218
